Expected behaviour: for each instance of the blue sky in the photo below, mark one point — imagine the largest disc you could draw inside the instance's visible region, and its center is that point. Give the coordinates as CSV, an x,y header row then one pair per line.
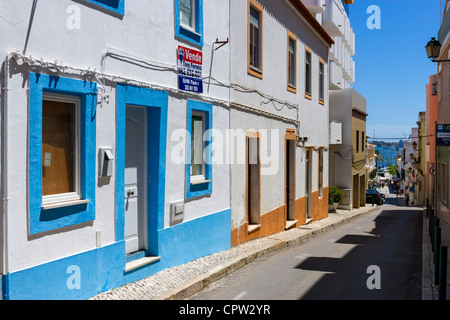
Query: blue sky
x,y
391,63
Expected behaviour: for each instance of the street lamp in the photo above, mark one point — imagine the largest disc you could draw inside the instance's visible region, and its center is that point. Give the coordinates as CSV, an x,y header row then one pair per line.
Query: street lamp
x,y
433,50
414,145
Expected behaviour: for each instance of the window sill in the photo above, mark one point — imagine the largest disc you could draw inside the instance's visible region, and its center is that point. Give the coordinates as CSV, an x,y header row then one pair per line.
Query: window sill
x,y
255,72
190,35
63,204
308,96
191,30
195,182
292,89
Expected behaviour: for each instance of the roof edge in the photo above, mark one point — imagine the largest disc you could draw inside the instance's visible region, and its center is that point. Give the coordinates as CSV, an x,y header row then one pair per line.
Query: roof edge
x,y
301,8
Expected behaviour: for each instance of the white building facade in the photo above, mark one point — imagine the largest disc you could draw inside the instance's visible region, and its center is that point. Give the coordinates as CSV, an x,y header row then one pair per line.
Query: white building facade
x,y
279,116
348,108
109,110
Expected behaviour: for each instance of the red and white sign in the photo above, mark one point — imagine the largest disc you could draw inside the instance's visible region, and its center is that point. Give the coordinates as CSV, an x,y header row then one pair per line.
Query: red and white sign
x,y
190,69
432,170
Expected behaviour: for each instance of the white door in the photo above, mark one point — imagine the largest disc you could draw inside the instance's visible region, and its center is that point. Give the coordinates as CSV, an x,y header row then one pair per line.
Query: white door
x,y
135,179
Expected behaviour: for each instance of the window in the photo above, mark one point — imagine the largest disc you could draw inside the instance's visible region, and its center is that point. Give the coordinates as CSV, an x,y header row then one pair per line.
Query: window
x,y
363,141
357,140
60,149
187,14
308,73
117,6
321,173
62,152
189,20
255,39
197,146
292,63
321,82
199,151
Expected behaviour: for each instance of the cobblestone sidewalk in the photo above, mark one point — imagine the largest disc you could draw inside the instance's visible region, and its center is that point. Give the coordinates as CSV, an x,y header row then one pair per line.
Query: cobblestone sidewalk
x,y
183,281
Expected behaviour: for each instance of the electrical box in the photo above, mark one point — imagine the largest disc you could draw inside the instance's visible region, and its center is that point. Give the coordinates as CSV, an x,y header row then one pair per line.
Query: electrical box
x,y
106,162
177,211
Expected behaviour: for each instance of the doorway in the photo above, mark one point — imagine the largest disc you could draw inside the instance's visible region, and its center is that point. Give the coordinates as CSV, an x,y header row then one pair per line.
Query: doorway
x,y
290,182
308,183
253,181
136,171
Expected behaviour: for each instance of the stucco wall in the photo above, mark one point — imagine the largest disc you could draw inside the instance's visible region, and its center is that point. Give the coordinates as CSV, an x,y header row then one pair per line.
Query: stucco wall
x,y
112,45
278,19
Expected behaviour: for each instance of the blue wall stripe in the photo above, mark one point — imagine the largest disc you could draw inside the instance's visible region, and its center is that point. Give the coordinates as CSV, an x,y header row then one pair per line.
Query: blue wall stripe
x,y
102,269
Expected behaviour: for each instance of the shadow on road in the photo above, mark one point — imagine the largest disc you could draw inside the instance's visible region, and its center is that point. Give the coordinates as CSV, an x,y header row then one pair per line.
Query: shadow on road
x,y
394,245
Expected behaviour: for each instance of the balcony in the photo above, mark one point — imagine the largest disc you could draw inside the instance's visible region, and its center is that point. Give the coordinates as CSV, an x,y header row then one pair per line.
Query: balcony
x,y
336,77
333,18
314,6
335,132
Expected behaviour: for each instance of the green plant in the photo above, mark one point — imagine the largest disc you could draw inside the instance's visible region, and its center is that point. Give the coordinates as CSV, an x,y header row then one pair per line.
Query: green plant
x,y
335,195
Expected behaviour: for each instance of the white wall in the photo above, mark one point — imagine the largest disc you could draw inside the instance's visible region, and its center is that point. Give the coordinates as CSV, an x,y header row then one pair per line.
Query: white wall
x,y
278,18
146,32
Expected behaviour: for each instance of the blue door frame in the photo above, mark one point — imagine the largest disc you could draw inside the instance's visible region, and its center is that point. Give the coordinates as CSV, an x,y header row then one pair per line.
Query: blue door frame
x,y
156,103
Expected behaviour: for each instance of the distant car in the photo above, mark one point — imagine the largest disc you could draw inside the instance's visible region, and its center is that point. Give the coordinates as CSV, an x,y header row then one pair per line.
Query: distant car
x,y
373,194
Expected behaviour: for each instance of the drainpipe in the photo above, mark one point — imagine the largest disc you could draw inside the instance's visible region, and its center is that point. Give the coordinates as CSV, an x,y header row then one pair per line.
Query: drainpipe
x,y
4,170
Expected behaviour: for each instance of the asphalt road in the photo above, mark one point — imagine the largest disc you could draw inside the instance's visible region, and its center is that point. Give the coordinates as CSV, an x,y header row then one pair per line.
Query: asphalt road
x,y
377,256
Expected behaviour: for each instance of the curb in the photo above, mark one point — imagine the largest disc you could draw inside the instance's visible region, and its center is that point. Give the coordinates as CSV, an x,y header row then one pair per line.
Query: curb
x,y
195,285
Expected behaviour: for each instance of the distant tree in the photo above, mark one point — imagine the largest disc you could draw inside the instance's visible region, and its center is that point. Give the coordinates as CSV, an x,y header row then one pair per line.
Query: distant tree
x,y
392,170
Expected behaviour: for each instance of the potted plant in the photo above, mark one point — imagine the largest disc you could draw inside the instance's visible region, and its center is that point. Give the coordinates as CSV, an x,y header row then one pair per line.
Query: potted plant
x,y
335,198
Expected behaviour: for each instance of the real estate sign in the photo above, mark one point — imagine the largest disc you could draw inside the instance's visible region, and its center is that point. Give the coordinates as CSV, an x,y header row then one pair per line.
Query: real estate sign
x,y
190,70
443,135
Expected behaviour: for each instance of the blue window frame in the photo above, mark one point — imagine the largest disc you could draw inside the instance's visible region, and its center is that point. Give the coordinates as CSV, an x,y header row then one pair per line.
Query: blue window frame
x,y
199,165
45,218
189,26
117,6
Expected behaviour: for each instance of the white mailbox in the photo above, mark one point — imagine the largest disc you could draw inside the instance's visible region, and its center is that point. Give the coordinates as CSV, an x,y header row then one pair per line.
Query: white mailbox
x,y
106,162
177,211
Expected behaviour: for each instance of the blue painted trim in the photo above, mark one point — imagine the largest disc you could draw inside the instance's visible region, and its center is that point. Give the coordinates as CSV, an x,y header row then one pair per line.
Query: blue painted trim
x,y
188,241
197,190
98,270
2,288
117,6
157,104
102,269
183,33
40,220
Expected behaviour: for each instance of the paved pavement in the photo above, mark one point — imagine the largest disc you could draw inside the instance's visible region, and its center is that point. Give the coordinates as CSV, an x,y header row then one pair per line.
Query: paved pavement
x,y
429,289
181,282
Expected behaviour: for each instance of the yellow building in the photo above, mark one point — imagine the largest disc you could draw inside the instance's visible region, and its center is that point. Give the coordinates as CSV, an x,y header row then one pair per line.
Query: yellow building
x,y
359,174
347,164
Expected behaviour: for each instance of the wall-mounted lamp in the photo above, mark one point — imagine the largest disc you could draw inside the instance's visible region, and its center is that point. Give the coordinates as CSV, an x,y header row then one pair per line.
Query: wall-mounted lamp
x,y
433,50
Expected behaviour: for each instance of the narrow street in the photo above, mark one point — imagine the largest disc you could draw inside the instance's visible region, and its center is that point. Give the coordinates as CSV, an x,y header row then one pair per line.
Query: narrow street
x,y
337,265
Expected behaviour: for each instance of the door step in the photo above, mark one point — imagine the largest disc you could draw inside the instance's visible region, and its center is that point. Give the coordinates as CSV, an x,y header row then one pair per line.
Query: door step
x,y
290,224
140,263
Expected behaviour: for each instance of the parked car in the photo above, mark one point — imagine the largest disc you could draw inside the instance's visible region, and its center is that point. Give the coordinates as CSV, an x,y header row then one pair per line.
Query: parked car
x,y
373,194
